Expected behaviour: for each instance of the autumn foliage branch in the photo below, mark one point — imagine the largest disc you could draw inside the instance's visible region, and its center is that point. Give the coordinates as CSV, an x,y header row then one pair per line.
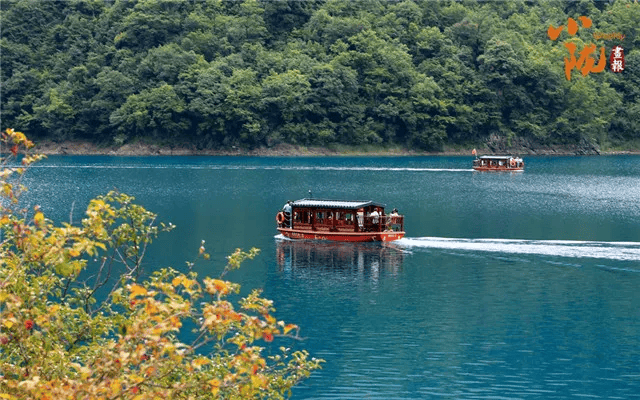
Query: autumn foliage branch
x,y
78,321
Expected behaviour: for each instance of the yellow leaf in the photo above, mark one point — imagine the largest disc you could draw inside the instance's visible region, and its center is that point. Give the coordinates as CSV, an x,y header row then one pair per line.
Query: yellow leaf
x,y
7,323
116,387
289,327
200,361
176,281
258,381
187,283
38,218
137,290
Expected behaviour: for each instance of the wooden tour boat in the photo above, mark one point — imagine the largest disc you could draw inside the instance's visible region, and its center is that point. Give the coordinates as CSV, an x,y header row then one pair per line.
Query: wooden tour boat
x,y
498,163
338,220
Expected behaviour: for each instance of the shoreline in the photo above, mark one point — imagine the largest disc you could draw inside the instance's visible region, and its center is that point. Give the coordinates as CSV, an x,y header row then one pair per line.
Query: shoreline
x,y
288,150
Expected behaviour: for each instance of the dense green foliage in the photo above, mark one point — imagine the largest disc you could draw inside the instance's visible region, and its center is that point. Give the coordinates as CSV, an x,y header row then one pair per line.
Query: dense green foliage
x,y
257,73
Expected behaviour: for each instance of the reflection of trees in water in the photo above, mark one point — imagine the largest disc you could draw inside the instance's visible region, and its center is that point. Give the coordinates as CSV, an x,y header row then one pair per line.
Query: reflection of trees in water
x,y
365,259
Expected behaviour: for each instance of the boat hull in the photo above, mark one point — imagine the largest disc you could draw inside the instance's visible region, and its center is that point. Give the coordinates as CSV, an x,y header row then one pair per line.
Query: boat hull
x,y
498,169
386,236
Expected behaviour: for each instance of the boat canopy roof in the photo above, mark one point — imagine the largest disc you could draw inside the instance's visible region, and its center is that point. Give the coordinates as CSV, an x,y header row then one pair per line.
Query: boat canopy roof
x,y
340,204
497,157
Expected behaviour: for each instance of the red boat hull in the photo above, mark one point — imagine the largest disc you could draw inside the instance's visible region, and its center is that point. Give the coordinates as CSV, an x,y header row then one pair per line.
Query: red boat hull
x,y
386,236
500,169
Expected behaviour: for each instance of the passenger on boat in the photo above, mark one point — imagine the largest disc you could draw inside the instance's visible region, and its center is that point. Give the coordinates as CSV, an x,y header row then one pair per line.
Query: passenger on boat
x,y
287,214
394,212
374,217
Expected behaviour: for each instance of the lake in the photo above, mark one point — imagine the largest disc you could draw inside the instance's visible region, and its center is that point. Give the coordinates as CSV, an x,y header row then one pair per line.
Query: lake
x,y
506,286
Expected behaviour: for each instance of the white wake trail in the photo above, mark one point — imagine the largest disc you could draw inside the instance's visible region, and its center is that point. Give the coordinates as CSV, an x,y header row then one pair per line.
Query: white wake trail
x,y
623,251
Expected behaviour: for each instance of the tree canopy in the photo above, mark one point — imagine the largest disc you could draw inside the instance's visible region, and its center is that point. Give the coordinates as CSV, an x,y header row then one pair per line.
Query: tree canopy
x,y
251,73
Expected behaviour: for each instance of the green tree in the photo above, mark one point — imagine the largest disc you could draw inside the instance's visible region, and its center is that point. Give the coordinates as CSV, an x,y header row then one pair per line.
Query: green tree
x,y
285,97
56,113
590,109
149,24
226,100
157,112
494,65
165,64
113,88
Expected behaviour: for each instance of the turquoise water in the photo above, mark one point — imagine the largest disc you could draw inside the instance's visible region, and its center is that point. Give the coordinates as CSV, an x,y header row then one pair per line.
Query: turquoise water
x,y
507,285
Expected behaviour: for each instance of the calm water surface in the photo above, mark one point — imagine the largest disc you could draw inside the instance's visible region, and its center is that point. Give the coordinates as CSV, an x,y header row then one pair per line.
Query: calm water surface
x,y
507,286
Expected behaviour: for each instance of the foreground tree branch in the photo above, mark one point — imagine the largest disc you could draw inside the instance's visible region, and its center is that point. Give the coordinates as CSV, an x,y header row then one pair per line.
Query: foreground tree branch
x,y
61,337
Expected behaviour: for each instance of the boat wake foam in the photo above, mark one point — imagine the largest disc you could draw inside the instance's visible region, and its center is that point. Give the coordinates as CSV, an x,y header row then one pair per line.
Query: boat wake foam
x,y
257,167
623,251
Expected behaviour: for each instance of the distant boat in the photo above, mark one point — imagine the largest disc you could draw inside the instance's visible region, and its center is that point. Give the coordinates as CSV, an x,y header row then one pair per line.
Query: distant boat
x,y
339,220
498,163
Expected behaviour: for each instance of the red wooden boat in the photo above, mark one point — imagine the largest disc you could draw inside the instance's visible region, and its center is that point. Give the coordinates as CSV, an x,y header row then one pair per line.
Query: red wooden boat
x,y
498,163
338,220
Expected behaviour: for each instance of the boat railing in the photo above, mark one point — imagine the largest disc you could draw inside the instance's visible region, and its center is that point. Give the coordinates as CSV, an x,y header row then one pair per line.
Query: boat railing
x,y
384,223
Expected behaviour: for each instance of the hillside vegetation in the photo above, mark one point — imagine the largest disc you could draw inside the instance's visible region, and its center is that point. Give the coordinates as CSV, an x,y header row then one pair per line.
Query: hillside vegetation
x,y
250,74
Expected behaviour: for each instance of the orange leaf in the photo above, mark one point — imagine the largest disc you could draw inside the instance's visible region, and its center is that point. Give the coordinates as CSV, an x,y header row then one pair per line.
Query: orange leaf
x,y
137,290
220,286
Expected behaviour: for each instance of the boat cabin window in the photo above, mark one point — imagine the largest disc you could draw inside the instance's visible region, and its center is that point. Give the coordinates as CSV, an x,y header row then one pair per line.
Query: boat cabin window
x,y
303,216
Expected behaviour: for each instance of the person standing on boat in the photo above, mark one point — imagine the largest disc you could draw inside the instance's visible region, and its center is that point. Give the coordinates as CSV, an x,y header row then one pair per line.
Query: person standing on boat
x,y
374,217
393,221
287,214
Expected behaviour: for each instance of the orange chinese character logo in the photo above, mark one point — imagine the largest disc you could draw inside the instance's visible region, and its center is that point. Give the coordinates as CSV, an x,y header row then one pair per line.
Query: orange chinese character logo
x,y
586,62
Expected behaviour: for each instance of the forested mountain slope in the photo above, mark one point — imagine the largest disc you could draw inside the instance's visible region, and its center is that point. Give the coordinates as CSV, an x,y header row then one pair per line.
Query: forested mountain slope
x,y
420,74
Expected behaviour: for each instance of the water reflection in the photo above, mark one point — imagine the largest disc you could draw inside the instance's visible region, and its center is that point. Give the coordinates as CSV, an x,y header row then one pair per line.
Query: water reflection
x,y
365,260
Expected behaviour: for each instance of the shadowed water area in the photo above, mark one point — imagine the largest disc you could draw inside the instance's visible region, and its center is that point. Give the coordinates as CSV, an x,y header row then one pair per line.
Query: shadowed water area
x,y
507,285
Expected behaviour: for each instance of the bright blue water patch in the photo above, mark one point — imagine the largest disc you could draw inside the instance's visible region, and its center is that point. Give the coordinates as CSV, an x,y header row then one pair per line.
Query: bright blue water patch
x,y
507,286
